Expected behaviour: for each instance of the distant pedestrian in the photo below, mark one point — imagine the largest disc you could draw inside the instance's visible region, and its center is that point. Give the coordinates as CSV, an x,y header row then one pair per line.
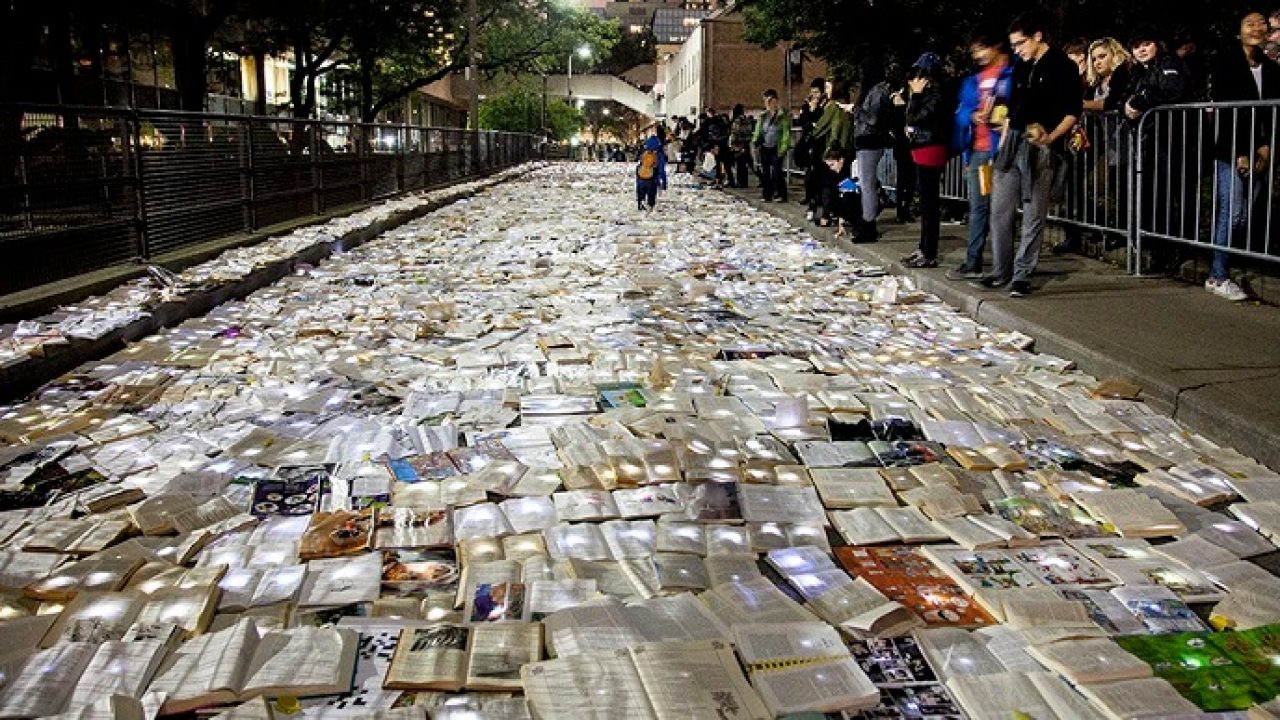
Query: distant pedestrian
x,y
740,131
773,138
651,170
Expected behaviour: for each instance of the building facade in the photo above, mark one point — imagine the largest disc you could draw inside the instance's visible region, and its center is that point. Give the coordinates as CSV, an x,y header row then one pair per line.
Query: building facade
x,y
717,68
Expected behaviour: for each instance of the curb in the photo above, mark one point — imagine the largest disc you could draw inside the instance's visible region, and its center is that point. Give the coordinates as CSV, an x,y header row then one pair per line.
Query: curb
x,y
1198,407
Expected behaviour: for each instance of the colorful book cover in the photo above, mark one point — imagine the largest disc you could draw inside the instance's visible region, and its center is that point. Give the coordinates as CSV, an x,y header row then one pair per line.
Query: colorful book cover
x,y
908,577
1045,518
415,572
892,661
1216,671
1061,566
985,568
293,490
913,702
415,468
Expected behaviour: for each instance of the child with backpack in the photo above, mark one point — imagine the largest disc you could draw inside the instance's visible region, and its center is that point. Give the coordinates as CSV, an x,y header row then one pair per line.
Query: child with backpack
x,y
651,170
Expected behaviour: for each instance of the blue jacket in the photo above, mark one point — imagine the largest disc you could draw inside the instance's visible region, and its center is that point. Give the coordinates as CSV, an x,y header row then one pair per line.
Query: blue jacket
x,y
653,143
962,133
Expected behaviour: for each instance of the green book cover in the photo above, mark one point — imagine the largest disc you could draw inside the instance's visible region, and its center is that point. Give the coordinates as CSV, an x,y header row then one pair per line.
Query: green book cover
x,y
1216,671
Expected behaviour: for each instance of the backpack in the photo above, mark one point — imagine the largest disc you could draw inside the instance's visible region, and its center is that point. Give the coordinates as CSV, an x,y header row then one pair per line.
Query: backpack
x,y
648,167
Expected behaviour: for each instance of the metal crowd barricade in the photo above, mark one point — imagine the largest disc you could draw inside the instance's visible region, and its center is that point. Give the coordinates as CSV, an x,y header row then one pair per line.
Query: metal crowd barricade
x,y
1206,175
85,188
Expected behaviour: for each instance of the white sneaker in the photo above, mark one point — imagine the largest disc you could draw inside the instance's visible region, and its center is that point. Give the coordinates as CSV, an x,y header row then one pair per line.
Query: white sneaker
x,y
808,215
1226,289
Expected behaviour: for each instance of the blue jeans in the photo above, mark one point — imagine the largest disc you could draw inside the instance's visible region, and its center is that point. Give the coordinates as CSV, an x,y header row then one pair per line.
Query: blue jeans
x,y
979,211
1232,206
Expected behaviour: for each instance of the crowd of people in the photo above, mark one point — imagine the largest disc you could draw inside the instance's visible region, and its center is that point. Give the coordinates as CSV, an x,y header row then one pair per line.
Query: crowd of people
x,y
1015,119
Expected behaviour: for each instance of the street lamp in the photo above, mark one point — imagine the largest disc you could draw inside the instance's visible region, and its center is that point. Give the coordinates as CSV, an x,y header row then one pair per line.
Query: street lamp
x,y
583,52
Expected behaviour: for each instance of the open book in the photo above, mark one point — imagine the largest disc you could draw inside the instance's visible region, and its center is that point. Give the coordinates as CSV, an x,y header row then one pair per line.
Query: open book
x,y
655,680
451,657
237,664
803,667
1001,696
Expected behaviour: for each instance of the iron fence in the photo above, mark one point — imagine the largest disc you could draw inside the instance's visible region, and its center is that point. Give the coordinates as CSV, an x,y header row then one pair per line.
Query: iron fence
x,y
1174,175
87,188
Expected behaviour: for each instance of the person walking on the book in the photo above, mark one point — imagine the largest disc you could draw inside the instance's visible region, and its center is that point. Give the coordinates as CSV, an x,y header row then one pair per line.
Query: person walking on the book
x,y
651,170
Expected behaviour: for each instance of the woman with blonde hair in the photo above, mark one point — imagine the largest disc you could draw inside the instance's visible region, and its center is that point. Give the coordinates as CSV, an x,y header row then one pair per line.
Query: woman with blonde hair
x,y
1108,74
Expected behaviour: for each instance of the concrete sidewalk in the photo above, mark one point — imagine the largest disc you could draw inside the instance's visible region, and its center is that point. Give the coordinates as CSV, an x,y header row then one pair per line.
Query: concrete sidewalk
x,y
1211,364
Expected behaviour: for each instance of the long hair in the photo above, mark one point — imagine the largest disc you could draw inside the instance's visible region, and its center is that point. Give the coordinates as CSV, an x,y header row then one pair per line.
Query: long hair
x,y
1119,56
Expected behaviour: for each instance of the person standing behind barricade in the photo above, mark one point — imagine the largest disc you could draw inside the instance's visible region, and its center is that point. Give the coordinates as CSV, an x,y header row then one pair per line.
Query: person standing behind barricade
x,y
1160,78
874,123
1110,67
808,152
773,137
1242,148
929,119
983,108
740,130
1044,106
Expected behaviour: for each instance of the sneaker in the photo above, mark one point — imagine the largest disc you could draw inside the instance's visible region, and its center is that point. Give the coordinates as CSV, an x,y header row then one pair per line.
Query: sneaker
x,y
963,273
912,257
1019,288
808,215
991,283
1226,288
921,262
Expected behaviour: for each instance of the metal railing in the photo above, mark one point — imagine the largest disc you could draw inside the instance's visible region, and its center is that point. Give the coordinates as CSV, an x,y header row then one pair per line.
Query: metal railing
x,y
87,188
1171,176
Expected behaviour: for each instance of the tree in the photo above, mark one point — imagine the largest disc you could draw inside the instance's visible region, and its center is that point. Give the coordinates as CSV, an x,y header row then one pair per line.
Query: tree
x,y
519,109
630,50
856,36
400,47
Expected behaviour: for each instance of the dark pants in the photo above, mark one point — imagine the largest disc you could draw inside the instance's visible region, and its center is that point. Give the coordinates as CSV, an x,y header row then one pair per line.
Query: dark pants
x,y
930,185
772,181
742,164
905,190
816,180
647,193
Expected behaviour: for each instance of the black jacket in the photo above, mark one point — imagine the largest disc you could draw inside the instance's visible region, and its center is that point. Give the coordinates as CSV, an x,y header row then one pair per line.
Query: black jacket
x,y
929,118
1164,81
873,123
1119,85
1241,131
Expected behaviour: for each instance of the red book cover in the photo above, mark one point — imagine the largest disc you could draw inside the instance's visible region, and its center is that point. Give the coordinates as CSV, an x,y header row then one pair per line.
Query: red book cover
x,y
903,574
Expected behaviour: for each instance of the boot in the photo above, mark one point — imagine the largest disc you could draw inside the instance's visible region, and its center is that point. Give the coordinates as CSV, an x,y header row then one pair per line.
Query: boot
x,y
866,232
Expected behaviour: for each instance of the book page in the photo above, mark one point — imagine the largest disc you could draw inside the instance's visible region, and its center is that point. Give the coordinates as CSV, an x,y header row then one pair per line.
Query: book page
x,y
1090,661
693,680
46,681
593,626
863,526
780,642
678,617
754,601
302,661
1145,698
1001,696
499,651
433,657
953,652
590,686
119,668
819,687
207,665
1063,698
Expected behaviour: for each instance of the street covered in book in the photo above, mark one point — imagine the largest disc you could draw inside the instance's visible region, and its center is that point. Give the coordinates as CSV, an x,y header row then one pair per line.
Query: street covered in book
x,y
540,454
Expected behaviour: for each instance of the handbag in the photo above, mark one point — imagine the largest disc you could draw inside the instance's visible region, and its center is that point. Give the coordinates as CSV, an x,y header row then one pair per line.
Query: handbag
x,y
1078,139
